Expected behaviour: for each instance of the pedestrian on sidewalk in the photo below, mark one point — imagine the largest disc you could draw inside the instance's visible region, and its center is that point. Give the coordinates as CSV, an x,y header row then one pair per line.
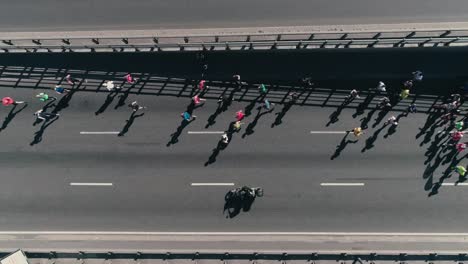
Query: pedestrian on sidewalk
x,y
201,85
417,76
240,115
197,100
391,121
408,84
357,131
237,126
45,97
267,105
6,101
384,103
135,106
40,114
404,94
60,90
381,88
411,109
262,89
110,86
188,117
71,81
130,79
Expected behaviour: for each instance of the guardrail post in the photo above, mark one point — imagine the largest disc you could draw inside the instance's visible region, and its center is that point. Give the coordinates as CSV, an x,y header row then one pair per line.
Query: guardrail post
x,y
323,44
461,257
251,46
167,256
254,258
196,256
109,255
216,39
247,39
274,46
348,44
52,254
452,41
373,44
345,35
137,256
298,46
81,255
8,42
6,50
66,41
95,40
446,33
410,35
278,38
227,46
181,47
402,256
186,39
376,36
400,43
125,40
37,41
156,40
424,42
284,257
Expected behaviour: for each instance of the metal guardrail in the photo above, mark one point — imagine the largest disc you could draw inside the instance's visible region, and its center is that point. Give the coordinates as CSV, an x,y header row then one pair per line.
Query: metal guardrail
x,y
399,39
254,256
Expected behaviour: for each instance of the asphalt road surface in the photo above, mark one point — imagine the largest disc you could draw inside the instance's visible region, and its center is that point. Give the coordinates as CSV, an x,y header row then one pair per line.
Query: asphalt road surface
x,y
387,180
50,15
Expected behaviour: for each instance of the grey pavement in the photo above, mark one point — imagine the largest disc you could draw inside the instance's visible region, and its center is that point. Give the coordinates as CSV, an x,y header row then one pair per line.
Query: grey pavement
x,y
71,15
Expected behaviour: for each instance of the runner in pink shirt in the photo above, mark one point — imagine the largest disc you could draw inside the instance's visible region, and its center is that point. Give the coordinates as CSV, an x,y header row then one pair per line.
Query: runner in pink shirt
x,y
201,85
240,115
129,79
197,100
460,147
457,135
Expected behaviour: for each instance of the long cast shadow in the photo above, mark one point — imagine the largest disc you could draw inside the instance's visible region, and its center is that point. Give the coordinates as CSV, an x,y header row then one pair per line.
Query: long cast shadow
x,y
129,123
11,115
364,105
175,136
365,121
280,115
250,128
371,140
64,101
123,97
344,142
110,97
38,135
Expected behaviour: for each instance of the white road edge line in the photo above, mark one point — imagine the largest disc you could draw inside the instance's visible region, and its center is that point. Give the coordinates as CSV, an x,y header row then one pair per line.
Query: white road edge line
x,y
229,233
453,184
91,184
205,132
342,184
212,184
327,132
99,132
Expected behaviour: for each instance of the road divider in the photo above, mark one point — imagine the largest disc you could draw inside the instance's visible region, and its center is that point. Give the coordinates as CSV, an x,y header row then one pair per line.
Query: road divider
x,y
99,132
354,184
205,132
91,184
212,184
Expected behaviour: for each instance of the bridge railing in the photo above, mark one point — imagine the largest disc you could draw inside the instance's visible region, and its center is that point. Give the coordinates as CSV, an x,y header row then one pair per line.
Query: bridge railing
x,y
400,39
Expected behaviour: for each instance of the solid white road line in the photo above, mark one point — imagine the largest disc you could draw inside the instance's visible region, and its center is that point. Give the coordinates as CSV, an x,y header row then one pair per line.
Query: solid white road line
x,y
91,184
230,233
342,184
99,132
205,132
453,184
212,184
328,132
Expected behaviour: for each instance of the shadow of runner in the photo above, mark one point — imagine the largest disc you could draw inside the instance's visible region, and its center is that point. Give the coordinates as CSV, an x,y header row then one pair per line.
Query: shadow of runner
x,y
129,123
334,116
364,105
447,173
222,107
123,97
249,130
175,136
380,117
63,102
371,140
365,120
221,146
280,115
344,142
11,115
110,97
38,135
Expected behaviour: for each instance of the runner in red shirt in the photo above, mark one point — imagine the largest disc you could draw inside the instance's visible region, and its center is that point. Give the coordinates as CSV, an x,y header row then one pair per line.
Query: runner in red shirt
x,y
240,115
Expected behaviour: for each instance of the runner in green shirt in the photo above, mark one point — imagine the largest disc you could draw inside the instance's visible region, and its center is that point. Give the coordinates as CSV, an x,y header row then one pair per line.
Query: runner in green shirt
x,y
262,88
459,125
460,170
44,97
